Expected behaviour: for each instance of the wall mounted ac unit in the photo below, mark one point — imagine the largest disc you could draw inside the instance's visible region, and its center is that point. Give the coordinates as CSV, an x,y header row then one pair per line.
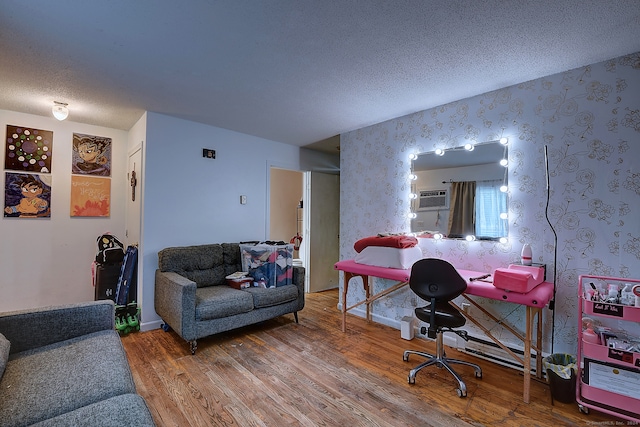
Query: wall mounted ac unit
x,y
429,200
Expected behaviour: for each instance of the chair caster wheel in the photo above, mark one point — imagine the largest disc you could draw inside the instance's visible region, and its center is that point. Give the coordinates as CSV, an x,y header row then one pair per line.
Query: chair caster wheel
x,y
411,380
583,409
165,327
479,375
461,393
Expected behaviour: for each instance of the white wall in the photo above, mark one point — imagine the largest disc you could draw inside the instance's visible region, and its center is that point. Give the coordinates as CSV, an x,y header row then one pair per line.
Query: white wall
x,y
186,199
192,200
48,261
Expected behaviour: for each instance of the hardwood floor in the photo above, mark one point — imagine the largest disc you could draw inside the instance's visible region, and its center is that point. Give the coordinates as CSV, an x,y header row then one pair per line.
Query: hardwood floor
x,y
311,374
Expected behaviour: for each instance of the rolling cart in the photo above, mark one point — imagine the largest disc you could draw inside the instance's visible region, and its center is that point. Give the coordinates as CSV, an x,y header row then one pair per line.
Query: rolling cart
x,y
608,372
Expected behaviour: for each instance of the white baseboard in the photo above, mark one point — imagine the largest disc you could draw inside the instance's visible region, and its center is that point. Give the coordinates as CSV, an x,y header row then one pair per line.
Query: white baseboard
x,y
148,326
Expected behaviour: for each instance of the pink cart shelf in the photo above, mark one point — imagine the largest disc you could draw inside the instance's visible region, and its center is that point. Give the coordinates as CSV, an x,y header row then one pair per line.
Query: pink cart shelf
x,y
605,375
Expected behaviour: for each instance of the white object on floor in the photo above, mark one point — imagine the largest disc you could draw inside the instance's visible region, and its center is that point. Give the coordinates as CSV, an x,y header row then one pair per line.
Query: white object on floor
x,y
406,328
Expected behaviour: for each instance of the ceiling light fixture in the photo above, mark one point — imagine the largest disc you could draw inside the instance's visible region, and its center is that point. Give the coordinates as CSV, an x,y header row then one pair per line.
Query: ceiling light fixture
x,y
60,110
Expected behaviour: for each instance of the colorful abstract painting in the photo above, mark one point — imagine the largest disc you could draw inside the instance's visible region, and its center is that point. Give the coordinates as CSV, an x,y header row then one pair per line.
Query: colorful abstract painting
x,y
90,196
91,155
27,195
28,150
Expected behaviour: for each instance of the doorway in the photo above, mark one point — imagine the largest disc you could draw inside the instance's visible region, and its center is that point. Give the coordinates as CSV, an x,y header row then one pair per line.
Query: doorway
x,y
134,206
285,206
322,228
307,205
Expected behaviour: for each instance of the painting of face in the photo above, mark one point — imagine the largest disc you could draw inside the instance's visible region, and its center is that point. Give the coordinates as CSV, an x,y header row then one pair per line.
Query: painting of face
x,y
91,155
27,195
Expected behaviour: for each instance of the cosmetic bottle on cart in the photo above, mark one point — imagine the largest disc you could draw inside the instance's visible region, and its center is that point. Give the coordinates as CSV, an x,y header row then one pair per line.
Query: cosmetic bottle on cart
x,y
526,254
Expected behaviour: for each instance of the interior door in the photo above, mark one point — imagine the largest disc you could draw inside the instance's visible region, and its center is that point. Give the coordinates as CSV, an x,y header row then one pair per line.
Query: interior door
x,y
133,205
322,230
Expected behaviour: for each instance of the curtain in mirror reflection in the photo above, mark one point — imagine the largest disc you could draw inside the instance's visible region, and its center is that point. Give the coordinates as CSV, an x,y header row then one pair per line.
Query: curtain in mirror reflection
x,y
462,209
474,208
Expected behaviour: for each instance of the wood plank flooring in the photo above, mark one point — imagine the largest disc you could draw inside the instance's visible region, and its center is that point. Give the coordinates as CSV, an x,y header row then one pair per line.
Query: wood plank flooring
x,y
279,373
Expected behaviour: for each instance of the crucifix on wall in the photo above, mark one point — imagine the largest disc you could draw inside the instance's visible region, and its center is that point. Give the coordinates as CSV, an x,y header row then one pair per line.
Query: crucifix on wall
x,y
134,182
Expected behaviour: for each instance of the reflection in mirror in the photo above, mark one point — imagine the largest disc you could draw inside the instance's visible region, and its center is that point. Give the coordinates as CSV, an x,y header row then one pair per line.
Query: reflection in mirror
x,y
461,192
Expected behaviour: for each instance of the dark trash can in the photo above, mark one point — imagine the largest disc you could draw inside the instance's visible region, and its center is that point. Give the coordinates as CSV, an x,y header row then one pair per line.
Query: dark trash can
x,y
561,376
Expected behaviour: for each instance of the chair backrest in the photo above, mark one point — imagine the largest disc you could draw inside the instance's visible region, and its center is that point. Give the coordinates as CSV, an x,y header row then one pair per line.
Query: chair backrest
x,y
436,278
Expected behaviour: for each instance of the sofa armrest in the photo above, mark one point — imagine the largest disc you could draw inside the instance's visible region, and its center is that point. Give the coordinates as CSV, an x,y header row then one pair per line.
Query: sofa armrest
x,y
298,277
298,280
33,328
175,302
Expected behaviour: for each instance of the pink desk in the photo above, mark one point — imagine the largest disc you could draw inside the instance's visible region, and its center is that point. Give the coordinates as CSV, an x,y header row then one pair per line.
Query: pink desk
x,y
534,301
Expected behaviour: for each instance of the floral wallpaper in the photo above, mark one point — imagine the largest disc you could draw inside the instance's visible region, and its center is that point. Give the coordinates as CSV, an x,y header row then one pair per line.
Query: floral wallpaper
x,y
588,122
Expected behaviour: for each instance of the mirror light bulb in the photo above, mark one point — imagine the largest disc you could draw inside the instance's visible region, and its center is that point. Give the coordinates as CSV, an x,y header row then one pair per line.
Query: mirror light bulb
x,y
412,215
504,140
468,147
503,240
438,236
504,162
413,156
504,188
413,196
504,215
439,152
470,238
413,176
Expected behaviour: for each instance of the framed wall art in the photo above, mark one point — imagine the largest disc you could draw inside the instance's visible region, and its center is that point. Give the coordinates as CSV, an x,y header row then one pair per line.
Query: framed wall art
x,y
28,150
91,155
90,196
27,195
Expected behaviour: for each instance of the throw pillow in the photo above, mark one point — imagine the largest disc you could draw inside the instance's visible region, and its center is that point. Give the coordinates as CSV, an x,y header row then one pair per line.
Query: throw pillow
x,y
4,353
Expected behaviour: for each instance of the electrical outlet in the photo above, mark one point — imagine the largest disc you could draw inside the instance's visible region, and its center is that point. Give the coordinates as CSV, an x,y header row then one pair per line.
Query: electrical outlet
x,y
243,200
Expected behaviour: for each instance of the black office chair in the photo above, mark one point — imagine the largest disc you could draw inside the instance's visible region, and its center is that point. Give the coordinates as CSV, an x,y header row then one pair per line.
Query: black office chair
x,y
438,282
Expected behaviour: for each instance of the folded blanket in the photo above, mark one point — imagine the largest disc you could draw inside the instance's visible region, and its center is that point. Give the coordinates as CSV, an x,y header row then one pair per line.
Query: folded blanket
x,y
386,241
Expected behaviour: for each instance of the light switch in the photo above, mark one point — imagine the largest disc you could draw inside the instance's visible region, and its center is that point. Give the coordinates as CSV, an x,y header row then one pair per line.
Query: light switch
x,y
243,200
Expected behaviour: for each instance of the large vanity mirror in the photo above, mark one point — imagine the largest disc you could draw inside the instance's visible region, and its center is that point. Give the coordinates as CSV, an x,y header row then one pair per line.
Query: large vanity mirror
x,y
461,192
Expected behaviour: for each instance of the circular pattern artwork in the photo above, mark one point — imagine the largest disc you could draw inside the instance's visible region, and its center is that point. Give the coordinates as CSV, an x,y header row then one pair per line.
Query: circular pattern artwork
x,y
28,150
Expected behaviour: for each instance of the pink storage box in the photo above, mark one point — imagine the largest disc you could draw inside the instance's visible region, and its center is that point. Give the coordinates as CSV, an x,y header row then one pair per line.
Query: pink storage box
x,y
518,278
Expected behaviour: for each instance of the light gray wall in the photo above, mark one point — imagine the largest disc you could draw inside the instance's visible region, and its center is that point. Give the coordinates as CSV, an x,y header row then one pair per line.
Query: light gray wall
x,y
190,200
587,117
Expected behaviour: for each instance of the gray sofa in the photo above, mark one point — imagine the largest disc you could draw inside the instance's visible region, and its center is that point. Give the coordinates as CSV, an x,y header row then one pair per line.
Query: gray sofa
x,y
191,295
65,366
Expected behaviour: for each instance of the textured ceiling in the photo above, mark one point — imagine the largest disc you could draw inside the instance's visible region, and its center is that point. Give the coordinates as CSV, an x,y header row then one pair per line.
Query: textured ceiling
x,y
295,71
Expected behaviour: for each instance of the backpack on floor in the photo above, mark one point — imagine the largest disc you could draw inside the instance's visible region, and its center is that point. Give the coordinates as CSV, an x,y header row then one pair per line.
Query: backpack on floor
x,y
110,250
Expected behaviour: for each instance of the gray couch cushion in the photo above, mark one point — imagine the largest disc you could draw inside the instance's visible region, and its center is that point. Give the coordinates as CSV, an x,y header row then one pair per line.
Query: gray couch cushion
x,y
214,302
273,296
52,380
206,265
5,345
128,410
